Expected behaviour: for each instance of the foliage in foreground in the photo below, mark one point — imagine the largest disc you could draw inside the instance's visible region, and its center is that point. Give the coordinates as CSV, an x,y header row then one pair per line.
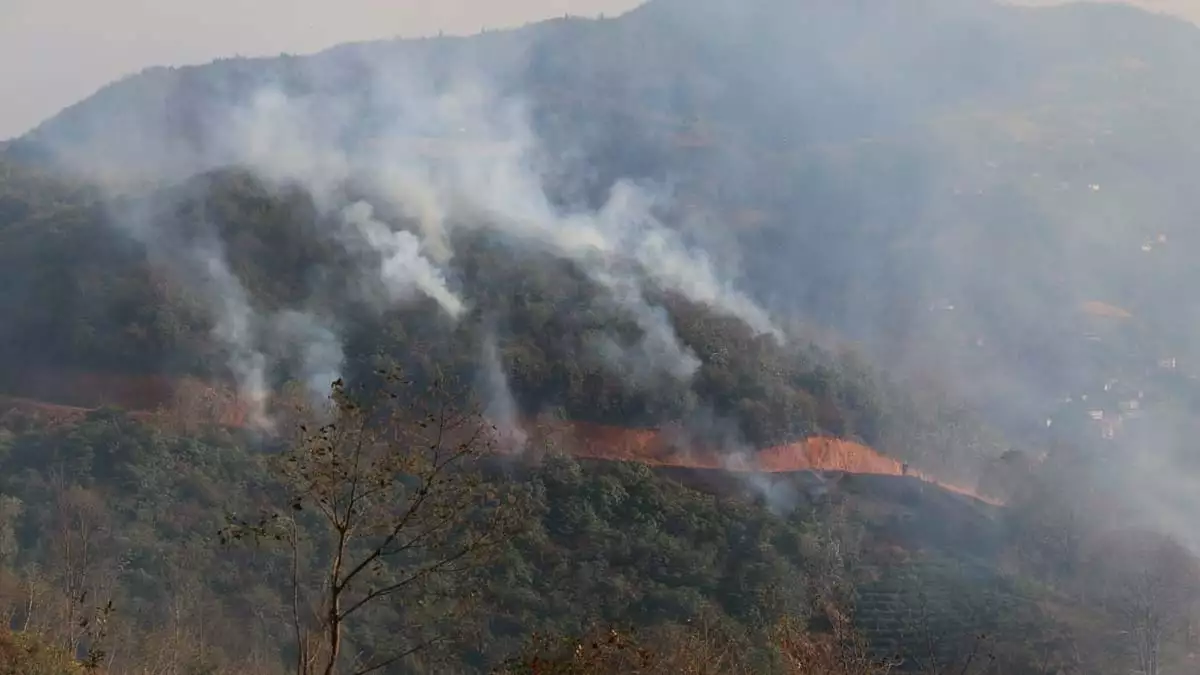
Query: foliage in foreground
x,y
24,654
124,561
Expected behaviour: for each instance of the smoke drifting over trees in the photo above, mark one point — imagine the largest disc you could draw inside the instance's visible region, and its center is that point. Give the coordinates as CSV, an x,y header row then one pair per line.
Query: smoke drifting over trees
x,y
957,235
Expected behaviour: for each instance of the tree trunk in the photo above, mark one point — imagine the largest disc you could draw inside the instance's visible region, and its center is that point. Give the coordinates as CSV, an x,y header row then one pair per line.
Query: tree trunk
x,y
334,618
334,637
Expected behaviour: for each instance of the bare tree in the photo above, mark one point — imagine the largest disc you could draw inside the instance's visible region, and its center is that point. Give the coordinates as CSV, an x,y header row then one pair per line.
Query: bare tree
x,y
1152,584
11,587
701,646
841,650
387,505
84,566
830,644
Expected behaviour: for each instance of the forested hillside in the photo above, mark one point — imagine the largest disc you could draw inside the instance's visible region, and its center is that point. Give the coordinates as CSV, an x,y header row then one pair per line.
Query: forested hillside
x,y
877,171
86,300
951,237
115,511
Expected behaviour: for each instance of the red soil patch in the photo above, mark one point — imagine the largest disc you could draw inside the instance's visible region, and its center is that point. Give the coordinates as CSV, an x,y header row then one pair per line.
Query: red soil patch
x,y
667,447
46,413
66,396
93,390
828,454
1103,309
189,404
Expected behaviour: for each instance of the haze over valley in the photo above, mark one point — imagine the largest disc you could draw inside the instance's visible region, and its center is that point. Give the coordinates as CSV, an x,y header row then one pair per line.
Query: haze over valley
x,y
714,336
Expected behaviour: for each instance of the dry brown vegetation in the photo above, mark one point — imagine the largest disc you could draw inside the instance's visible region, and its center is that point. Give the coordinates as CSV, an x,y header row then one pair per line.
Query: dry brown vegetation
x,y
700,649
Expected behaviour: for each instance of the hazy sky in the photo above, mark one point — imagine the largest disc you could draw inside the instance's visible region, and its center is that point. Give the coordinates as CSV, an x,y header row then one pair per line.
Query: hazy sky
x,y
55,52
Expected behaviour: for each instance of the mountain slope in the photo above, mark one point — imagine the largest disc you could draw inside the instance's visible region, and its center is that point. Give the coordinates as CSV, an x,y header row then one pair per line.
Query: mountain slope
x,y
608,543
542,334
948,183
873,149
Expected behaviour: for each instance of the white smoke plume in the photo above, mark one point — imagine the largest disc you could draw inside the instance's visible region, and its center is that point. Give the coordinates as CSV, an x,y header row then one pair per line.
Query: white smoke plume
x,y
315,345
463,157
253,341
235,327
501,408
201,265
779,495
439,155
709,434
658,352
402,268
